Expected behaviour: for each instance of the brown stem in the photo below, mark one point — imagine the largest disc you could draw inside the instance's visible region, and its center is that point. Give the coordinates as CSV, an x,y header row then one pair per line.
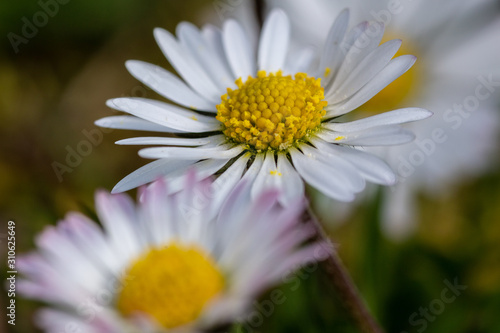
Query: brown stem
x,y
345,287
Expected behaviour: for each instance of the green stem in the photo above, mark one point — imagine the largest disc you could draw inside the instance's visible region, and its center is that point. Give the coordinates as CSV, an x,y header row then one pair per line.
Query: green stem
x,y
345,287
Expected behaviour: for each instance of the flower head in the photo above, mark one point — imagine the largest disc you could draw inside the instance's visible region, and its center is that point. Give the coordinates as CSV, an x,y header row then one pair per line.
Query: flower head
x,y
269,116
166,263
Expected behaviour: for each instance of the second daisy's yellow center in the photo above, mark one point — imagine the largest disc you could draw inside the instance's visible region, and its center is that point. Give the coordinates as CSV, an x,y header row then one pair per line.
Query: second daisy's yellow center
x,y
272,111
170,284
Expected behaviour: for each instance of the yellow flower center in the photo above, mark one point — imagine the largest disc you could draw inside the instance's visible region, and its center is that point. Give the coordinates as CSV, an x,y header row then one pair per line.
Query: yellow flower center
x,y
272,111
171,284
400,91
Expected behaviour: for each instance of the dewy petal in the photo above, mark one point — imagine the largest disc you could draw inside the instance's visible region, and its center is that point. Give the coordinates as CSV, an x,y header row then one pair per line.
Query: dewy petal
x,y
377,136
321,177
392,71
149,173
394,117
133,123
168,85
192,40
165,114
274,41
221,152
367,68
238,49
186,66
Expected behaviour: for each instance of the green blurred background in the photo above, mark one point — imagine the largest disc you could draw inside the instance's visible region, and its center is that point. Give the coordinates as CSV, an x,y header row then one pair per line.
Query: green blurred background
x,y
54,88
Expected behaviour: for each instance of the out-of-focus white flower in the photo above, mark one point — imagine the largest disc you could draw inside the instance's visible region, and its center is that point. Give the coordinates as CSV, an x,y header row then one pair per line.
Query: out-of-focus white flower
x,y
166,264
268,116
457,77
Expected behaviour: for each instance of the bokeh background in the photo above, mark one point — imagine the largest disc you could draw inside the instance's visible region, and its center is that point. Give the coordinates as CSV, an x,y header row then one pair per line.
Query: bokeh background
x,y
55,87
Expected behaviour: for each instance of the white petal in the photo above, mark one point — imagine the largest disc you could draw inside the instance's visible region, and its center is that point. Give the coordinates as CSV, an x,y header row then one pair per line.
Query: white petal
x,y
91,240
168,85
371,167
368,67
376,136
392,71
239,50
186,66
164,141
338,166
149,173
132,123
291,183
62,252
395,117
266,177
165,114
203,169
274,41
364,45
225,183
399,213
320,177
192,40
221,152
213,37
299,61
58,321
353,35
332,53
118,217
237,205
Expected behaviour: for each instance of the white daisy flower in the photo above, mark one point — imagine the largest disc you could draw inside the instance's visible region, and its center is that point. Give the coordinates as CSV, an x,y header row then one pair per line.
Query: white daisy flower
x,y
267,115
165,264
457,77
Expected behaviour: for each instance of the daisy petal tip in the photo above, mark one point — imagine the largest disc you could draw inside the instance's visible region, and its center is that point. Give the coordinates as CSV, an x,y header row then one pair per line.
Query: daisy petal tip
x,y
346,11
230,23
117,189
427,113
278,13
111,103
101,195
158,31
390,179
132,65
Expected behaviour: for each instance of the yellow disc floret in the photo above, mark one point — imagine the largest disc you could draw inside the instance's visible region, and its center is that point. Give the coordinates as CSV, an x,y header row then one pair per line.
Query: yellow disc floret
x,y
272,111
170,284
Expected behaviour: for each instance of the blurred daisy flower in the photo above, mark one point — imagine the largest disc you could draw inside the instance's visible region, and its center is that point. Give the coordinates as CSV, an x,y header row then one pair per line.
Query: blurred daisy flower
x,y
267,115
457,77
165,264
